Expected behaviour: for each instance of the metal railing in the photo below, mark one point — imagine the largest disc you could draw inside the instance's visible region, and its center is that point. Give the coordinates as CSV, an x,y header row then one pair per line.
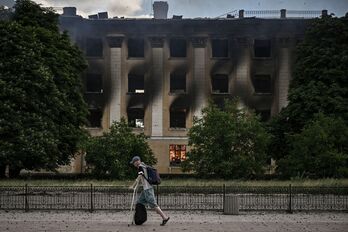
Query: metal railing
x,y
278,13
262,13
303,13
175,198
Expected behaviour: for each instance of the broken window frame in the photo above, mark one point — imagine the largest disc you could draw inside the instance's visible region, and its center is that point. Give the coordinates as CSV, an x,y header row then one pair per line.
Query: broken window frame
x,y
175,123
136,48
138,117
173,50
96,123
96,51
133,88
219,51
260,88
94,83
262,54
179,78
177,154
214,78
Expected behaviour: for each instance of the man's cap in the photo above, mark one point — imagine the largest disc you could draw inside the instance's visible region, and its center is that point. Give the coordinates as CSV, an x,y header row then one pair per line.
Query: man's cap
x,y
135,158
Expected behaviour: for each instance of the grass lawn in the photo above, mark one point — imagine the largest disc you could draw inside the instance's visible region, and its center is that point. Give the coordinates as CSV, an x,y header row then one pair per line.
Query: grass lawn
x,y
178,182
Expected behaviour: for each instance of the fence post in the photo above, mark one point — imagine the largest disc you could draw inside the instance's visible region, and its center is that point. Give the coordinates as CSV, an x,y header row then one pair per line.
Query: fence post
x,y
290,199
91,209
223,197
26,205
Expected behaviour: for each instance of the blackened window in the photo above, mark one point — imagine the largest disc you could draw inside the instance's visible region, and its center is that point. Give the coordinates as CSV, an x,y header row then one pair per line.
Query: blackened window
x,y
177,83
136,84
135,47
94,118
136,118
219,83
265,115
94,47
262,48
94,83
178,48
178,118
219,47
262,84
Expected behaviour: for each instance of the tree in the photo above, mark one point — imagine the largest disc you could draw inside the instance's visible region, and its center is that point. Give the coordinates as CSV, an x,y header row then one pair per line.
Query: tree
x,y
319,150
109,154
42,110
320,81
228,143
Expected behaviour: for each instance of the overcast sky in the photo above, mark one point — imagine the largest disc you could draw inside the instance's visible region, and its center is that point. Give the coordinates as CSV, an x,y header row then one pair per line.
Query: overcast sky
x,y
194,8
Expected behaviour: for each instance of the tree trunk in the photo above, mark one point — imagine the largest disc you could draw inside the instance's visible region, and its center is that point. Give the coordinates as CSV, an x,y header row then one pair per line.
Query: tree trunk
x,y
2,171
14,171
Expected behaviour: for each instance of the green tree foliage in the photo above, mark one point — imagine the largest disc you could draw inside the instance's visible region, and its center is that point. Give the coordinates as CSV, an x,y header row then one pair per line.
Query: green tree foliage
x,y
42,109
319,150
228,143
320,82
109,154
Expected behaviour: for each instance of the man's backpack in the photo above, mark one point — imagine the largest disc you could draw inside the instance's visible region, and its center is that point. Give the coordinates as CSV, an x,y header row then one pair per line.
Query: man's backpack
x,y
152,176
140,215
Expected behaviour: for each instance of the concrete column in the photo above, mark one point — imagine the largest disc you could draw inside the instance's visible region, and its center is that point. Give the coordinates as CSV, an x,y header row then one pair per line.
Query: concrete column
x,y
284,72
283,13
241,13
199,82
243,68
157,75
324,13
115,44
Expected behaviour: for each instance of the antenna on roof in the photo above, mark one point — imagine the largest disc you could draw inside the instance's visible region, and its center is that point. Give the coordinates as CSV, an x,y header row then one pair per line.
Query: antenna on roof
x,y
151,8
233,12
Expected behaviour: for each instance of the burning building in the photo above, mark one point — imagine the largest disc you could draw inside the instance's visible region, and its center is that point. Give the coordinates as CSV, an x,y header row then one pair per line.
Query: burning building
x,y
159,73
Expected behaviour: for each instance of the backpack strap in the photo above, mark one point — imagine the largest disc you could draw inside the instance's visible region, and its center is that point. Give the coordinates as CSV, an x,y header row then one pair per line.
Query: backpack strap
x,y
144,166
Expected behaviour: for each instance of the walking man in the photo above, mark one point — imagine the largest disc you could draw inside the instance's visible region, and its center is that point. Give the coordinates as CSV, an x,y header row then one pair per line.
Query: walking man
x,y
147,195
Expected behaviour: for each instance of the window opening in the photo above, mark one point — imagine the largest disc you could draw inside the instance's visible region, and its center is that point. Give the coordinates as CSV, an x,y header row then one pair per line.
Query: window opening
x,y
220,48
178,48
136,84
178,83
177,154
262,48
136,118
94,47
220,83
135,47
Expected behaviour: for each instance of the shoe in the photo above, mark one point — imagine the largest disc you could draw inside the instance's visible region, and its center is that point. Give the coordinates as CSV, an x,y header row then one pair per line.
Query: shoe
x,y
165,221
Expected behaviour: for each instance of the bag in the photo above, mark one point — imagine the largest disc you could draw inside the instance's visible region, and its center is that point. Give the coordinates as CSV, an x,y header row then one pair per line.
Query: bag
x,y
140,215
153,176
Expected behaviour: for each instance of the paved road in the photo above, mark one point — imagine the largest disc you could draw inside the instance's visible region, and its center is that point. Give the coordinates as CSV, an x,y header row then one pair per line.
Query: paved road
x,y
52,221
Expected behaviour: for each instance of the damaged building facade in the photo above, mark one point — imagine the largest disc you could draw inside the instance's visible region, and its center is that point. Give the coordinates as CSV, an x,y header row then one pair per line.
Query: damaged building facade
x,y
159,73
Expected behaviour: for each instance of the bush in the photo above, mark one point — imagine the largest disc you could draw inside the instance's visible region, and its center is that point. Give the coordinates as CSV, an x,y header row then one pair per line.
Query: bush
x,y
227,143
109,155
319,150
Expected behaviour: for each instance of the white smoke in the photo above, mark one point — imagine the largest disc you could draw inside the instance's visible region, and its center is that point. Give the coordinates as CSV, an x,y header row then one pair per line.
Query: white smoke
x,y
126,8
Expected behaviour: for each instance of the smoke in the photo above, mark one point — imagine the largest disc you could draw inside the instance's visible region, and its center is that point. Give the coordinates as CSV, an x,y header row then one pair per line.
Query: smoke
x,y
129,8
8,3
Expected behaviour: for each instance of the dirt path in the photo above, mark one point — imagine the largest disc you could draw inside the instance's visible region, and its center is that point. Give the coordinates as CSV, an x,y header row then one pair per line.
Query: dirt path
x,y
52,221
